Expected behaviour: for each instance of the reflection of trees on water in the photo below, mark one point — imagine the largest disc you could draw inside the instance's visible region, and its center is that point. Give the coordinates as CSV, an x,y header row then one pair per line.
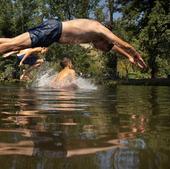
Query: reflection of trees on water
x,y
104,119
81,132
153,100
126,159
8,99
159,124
129,157
33,136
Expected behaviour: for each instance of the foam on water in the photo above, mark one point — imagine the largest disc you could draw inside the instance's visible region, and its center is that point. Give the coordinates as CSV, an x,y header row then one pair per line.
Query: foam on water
x,y
44,78
85,84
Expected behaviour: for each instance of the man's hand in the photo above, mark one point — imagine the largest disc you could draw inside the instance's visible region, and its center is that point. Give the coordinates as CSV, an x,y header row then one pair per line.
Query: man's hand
x,y
133,56
139,61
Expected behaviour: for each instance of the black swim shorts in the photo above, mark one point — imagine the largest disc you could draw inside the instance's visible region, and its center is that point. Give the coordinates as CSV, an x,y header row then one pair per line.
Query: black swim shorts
x,y
31,60
46,33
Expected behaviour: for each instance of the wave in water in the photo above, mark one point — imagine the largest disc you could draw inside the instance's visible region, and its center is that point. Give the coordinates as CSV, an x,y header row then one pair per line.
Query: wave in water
x,y
44,78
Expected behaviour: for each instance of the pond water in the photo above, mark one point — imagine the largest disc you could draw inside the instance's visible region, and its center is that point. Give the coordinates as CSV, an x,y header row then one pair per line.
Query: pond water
x,y
124,127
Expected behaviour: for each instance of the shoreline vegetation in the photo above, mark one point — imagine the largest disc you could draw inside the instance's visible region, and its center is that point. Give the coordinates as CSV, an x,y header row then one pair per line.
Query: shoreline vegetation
x,y
145,82
110,83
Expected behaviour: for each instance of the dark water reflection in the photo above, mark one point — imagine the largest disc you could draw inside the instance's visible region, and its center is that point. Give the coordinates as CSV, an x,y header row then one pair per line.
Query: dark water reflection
x,y
126,127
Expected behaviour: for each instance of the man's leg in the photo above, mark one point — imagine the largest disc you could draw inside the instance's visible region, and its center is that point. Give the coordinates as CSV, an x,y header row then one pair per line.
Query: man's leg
x,y
17,43
4,40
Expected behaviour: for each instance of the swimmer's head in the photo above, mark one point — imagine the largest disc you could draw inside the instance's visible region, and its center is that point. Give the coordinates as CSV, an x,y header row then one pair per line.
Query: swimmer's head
x,y
66,62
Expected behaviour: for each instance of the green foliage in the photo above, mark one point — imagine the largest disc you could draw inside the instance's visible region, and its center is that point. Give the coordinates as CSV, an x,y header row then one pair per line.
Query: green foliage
x,y
149,22
6,74
163,66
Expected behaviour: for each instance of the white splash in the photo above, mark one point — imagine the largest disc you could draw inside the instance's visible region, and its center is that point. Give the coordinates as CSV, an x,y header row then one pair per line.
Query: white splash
x,y
85,84
43,79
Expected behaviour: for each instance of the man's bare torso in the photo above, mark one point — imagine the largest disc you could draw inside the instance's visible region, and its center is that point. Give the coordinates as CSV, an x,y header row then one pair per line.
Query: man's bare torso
x,y
85,31
77,31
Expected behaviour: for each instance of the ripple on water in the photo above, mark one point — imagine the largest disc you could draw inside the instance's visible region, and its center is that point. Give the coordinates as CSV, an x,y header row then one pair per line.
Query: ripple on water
x,y
122,127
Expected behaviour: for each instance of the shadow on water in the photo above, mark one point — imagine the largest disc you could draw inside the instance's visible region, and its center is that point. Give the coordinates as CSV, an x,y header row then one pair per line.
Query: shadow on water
x,y
126,127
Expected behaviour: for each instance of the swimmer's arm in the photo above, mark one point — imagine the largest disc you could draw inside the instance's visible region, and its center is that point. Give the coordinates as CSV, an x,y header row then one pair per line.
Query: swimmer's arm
x,y
122,52
134,60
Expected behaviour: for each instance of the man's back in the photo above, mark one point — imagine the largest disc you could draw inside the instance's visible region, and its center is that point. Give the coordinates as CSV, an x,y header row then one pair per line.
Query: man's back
x,y
66,74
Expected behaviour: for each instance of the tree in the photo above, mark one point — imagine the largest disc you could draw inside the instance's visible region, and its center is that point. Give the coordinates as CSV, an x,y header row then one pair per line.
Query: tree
x,y
155,37
147,24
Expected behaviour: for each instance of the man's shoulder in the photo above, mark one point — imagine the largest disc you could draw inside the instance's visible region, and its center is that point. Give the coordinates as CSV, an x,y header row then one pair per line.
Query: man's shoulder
x,y
72,71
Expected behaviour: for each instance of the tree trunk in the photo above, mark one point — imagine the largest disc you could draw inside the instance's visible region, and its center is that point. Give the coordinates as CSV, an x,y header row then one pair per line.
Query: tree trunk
x,y
153,66
114,58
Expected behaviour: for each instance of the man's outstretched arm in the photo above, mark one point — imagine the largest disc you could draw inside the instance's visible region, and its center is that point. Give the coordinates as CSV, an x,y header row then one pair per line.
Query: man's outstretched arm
x,y
137,59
